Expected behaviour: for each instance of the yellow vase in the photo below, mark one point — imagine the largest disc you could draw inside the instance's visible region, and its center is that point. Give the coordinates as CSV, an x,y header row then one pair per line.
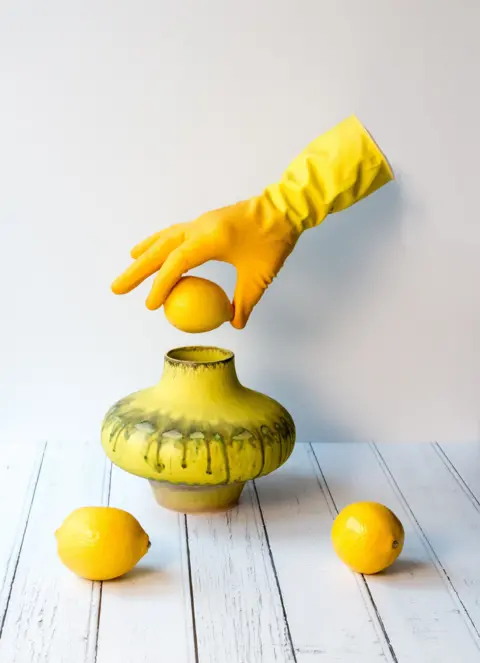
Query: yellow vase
x,y
198,435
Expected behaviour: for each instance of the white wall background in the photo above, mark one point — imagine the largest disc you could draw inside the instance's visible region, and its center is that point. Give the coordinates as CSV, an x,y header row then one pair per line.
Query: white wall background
x,y
118,118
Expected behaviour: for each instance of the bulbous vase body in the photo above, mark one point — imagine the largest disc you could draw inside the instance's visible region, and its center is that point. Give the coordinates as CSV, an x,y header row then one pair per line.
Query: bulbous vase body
x,y
198,435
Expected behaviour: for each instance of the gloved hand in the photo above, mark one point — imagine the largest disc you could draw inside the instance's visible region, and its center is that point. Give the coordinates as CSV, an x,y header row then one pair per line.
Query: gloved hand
x,y
338,169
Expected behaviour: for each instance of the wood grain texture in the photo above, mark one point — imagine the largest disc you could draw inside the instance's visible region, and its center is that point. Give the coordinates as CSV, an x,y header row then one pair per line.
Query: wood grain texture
x,y
18,481
418,608
464,462
146,616
52,615
448,523
238,610
260,584
330,618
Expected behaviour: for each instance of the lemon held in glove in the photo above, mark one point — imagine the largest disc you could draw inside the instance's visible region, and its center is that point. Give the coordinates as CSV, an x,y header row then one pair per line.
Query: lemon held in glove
x,y
197,305
335,171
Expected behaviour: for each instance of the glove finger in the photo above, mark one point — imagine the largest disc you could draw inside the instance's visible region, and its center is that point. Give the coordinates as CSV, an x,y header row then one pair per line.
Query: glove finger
x,y
148,263
187,256
140,248
248,293
145,244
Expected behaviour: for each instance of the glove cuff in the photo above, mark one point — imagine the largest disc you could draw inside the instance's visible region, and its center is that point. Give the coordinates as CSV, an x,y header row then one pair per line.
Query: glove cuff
x,y
339,168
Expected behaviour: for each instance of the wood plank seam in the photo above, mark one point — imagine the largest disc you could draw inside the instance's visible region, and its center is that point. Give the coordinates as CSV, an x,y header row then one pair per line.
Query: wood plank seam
x,y
361,581
192,596
275,574
187,590
157,586
232,575
428,546
456,475
17,547
91,648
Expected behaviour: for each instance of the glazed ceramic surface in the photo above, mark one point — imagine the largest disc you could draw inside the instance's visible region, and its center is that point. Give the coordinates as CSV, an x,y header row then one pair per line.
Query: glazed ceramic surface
x,y
198,427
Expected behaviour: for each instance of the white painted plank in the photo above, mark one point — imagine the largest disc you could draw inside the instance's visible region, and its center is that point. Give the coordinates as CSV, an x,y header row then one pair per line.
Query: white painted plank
x,y
52,614
447,515
238,611
327,614
19,468
464,460
420,611
146,616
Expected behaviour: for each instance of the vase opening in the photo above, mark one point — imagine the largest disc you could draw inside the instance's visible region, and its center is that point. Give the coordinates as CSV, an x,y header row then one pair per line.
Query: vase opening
x,y
199,355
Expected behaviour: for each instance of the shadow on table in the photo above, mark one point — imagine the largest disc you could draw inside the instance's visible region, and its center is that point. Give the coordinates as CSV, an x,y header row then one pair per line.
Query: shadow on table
x,y
410,567
147,578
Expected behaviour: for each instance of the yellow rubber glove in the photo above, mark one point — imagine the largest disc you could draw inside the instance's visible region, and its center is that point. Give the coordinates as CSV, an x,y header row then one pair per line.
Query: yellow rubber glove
x,y
335,171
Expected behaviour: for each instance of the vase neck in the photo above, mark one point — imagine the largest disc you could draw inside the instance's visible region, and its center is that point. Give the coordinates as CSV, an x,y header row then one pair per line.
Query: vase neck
x,y
198,372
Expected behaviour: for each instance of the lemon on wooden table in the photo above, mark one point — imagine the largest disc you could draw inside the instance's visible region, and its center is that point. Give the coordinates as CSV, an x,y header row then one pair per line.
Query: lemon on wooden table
x,y
367,537
101,543
197,305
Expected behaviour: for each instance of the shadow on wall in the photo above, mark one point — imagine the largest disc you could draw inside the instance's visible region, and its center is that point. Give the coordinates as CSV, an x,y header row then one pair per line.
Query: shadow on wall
x,y
332,267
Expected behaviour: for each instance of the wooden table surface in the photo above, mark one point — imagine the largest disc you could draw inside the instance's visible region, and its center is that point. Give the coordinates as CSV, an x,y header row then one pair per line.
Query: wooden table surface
x,y
260,584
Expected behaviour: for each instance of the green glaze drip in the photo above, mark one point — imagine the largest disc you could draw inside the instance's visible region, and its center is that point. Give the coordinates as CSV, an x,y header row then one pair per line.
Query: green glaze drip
x,y
160,466
209,457
278,430
116,430
260,438
218,438
184,453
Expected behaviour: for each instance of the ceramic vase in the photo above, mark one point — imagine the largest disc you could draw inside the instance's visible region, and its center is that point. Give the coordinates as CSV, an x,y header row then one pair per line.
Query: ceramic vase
x,y
199,434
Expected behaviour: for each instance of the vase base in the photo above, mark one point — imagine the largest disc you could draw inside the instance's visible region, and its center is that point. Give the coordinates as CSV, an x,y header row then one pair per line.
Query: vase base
x,y
196,499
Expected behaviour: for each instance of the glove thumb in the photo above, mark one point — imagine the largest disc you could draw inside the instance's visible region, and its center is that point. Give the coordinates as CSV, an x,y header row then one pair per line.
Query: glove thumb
x,y
248,292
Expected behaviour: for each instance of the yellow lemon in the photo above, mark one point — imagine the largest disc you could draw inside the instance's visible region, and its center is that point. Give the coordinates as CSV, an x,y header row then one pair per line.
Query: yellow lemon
x,y
101,543
367,537
197,305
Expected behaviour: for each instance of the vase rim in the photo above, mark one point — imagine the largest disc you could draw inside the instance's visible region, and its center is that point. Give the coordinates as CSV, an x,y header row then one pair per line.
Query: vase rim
x,y
199,355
